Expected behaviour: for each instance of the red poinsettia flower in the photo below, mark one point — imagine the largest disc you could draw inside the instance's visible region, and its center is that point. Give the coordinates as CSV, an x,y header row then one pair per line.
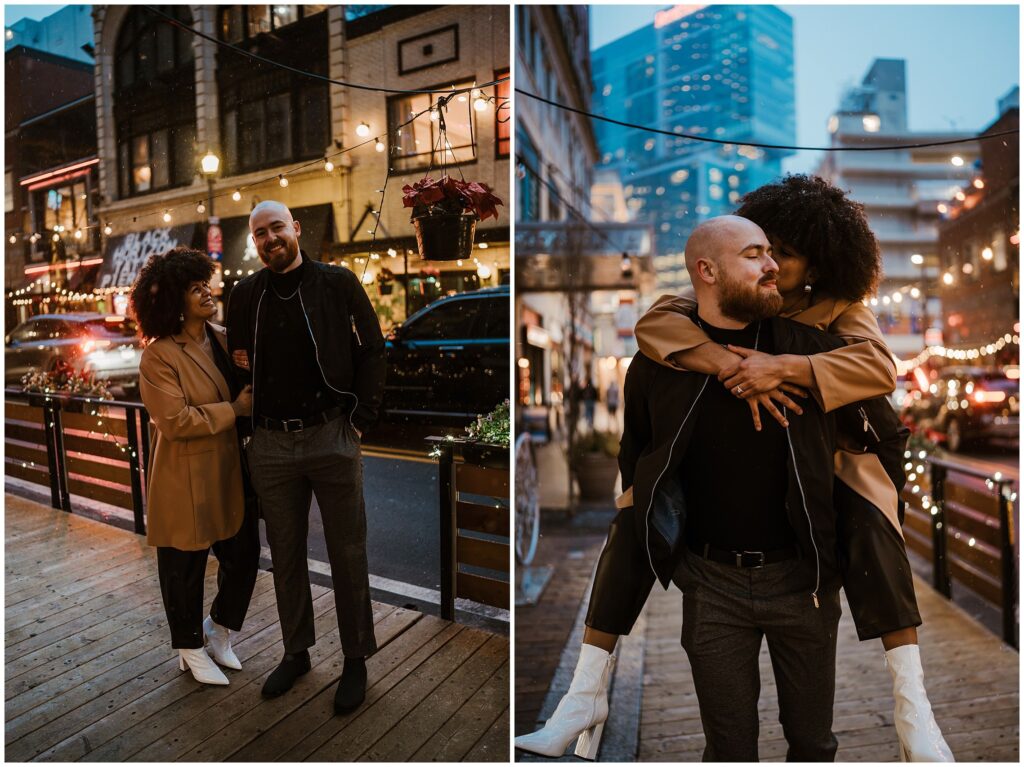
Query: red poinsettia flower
x,y
449,195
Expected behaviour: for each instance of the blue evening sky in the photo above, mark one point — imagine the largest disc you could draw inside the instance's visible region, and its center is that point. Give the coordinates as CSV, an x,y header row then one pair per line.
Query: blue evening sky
x,y
960,59
36,12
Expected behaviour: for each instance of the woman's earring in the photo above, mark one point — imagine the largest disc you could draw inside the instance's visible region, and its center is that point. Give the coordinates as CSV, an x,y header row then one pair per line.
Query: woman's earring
x,y
808,288
181,317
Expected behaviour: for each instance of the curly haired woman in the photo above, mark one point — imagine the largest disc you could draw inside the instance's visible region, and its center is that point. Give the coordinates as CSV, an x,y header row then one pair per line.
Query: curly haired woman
x,y
196,486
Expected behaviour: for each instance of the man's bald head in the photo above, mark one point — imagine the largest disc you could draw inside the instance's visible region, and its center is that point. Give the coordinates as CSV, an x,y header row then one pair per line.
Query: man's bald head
x,y
276,235
720,236
269,207
733,273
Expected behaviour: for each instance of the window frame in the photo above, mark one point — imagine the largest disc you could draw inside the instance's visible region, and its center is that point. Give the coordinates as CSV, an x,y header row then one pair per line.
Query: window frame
x,y
393,123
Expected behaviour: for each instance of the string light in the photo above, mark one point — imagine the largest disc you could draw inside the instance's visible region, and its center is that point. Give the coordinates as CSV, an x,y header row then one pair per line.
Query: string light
x,y
282,180
12,239
362,130
379,146
236,195
56,237
108,229
328,166
960,355
200,208
167,216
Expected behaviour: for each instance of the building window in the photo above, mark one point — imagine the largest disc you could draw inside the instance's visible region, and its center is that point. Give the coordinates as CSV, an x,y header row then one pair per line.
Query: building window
x,y
418,146
270,116
154,102
528,205
502,115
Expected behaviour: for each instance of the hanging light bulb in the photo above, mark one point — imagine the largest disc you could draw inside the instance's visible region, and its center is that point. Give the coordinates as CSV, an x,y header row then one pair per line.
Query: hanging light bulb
x,y
236,195
479,103
167,216
108,229
363,129
435,115
13,239
328,166
56,237
200,208
484,272
379,146
78,234
283,180
392,252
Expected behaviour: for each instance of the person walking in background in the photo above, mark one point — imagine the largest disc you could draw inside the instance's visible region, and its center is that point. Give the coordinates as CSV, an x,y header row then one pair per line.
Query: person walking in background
x,y
611,398
196,498
307,335
588,394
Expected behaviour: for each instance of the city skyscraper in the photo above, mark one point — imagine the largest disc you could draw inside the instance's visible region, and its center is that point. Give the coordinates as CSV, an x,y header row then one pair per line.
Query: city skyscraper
x,y
719,71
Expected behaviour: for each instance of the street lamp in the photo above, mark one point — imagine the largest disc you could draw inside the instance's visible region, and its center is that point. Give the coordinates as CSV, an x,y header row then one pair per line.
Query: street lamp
x,y
210,165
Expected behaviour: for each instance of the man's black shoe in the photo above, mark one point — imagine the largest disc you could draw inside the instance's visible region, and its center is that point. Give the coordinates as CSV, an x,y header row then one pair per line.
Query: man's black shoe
x,y
283,677
352,687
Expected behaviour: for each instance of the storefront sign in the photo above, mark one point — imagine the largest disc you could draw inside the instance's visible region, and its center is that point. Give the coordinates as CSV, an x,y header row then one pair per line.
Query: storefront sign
x,y
128,253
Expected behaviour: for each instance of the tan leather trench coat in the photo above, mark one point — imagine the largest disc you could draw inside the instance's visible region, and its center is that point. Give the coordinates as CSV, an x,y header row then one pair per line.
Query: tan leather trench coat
x,y
194,486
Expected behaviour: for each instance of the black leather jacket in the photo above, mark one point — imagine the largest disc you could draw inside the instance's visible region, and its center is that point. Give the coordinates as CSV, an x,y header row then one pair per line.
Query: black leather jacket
x,y
342,323
659,407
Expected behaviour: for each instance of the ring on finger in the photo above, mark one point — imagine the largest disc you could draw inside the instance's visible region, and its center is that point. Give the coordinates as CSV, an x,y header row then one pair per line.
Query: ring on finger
x,y
738,390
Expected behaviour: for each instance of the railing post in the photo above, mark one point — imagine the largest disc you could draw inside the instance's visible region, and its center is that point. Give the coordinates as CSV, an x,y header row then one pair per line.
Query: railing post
x,y
446,483
62,459
134,466
940,559
51,454
1009,561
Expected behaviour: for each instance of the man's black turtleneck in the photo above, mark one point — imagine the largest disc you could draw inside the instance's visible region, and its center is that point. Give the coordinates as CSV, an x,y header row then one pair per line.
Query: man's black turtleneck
x,y
735,478
289,381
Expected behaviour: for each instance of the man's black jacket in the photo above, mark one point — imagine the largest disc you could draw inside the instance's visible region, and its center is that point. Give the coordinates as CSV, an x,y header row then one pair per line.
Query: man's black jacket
x,y
342,323
659,416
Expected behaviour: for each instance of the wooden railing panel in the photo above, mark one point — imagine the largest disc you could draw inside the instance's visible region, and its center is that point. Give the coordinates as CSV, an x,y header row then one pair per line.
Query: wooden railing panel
x,y
477,480
482,519
488,591
479,553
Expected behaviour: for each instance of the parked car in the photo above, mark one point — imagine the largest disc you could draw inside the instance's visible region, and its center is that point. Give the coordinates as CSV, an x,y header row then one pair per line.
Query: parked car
x,y
965,405
106,345
450,360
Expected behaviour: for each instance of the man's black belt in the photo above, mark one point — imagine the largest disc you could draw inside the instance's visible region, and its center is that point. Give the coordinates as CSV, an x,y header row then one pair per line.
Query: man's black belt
x,y
298,424
750,559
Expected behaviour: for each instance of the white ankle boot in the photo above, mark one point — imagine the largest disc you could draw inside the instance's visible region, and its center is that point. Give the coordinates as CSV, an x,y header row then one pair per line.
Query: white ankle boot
x,y
920,737
218,640
580,714
203,669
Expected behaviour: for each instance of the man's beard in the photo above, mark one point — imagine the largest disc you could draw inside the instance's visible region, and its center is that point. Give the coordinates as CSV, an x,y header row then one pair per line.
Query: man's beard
x,y
280,261
745,304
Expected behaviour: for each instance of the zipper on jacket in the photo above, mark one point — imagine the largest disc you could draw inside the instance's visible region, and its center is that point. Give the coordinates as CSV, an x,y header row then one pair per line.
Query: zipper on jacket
x,y
867,424
355,330
807,513
255,336
316,353
647,514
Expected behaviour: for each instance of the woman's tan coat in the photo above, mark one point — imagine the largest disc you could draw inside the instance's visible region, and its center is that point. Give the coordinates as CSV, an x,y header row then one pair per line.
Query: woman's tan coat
x,y
194,491
863,369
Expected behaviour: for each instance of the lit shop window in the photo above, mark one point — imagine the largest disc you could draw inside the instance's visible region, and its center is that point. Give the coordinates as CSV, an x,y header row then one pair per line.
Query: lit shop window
x,y
419,145
502,115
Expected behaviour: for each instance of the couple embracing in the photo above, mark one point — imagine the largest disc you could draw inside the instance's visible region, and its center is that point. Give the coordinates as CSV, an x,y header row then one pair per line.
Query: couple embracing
x,y
252,422
759,520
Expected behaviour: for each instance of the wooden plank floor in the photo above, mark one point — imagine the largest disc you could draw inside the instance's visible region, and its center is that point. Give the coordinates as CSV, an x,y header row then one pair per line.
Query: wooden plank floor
x,y
90,673
971,676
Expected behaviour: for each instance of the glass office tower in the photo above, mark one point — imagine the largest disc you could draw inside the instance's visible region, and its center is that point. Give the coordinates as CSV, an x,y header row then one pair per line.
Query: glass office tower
x,y
720,71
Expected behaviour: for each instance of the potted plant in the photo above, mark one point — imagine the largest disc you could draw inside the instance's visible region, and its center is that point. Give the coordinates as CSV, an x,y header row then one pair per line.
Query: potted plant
x,y
595,464
445,212
488,439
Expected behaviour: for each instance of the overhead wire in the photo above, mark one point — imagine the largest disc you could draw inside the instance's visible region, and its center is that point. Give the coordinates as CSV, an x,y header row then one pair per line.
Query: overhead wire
x,y
760,145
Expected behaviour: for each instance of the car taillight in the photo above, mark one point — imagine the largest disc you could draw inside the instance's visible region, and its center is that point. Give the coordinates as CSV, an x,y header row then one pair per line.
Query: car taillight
x,y
92,344
983,397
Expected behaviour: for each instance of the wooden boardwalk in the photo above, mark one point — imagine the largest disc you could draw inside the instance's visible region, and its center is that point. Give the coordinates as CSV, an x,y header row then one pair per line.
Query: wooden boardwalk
x,y
971,676
90,673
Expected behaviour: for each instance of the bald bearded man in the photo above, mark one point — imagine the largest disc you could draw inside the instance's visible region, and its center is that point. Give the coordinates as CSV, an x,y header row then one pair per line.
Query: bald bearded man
x,y
307,337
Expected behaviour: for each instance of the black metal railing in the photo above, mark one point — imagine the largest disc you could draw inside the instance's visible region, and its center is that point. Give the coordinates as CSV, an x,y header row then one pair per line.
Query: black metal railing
x,y
943,562
136,453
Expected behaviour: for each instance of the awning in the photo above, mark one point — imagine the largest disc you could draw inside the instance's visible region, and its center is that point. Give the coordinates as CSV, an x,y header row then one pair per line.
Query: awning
x,y
240,255
126,254
565,255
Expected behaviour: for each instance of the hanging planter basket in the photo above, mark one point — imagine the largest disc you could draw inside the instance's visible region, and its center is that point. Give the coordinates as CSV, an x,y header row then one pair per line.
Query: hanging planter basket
x,y
445,236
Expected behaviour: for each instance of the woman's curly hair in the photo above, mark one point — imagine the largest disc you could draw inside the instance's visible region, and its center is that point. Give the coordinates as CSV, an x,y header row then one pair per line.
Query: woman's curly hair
x,y
158,295
823,224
